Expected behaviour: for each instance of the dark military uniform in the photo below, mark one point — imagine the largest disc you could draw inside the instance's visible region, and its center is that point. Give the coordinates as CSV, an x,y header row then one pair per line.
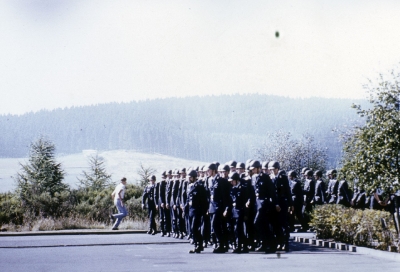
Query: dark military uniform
x,y
265,204
185,207
174,206
239,198
197,205
284,198
309,192
163,211
343,194
149,196
331,193
297,198
181,219
359,200
319,196
249,223
168,195
219,201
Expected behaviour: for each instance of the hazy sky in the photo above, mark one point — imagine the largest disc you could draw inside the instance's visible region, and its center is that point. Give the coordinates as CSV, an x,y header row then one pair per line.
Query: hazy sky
x,y
64,53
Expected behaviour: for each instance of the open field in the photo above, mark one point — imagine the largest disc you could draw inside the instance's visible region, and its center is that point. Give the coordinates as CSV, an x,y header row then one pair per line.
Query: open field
x,y
118,163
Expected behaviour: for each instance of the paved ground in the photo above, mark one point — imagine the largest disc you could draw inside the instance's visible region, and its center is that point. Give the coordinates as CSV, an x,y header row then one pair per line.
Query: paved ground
x,y
142,252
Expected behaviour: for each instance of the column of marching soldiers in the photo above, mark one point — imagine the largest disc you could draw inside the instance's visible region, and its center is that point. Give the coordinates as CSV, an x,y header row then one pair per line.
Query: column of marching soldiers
x,y
244,207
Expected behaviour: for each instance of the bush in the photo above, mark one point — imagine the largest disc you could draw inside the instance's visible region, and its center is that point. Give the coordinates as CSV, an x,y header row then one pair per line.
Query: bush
x,y
370,228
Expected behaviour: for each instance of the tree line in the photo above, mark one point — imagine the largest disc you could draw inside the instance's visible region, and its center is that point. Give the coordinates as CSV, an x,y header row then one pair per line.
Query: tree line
x,y
197,128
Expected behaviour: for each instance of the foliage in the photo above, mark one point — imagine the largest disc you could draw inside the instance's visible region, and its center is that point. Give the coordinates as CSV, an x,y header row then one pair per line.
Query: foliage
x,y
293,154
97,178
11,210
372,153
145,172
40,184
358,227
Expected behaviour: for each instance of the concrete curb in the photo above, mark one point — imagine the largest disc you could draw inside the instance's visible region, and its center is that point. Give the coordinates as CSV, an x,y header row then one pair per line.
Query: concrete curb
x,y
71,232
393,256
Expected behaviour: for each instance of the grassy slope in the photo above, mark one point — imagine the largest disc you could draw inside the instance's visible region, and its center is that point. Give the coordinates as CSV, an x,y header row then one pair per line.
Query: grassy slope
x,y
118,163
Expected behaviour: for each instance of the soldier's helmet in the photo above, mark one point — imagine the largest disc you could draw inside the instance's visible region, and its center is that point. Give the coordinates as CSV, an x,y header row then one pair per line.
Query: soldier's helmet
x,y
254,164
282,172
333,172
232,164
309,173
233,176
153,177
273,165
197,168
318,173
183,170
240,165
216,163
303,171
264,165
248,162
177,172
211,166
292,174
164,174
169,172
223,168
193,174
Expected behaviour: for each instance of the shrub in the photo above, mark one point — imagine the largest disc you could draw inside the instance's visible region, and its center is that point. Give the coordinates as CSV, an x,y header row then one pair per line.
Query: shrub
x,y
365,228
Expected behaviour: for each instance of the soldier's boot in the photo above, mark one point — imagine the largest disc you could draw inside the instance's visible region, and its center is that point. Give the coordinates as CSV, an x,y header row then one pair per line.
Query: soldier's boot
x,y
236,249
219,249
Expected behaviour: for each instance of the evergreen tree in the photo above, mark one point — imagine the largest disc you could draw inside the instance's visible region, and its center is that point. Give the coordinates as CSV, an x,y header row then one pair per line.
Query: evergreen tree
x,y
97,178
145,174
40,184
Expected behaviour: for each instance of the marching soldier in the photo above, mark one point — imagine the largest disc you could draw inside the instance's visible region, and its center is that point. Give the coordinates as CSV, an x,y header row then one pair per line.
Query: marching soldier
x,y
319,196
219,197
331,193
149,195
197,206
161,193
238,198
297,198
309,192
266,204
168,194
179,207
343,193
284,198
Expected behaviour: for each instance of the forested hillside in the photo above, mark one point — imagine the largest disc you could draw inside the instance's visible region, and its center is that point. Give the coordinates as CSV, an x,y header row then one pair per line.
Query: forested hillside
x,y
197,128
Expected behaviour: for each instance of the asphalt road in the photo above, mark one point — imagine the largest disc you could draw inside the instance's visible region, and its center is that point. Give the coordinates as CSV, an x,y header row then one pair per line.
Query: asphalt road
x,y
142,252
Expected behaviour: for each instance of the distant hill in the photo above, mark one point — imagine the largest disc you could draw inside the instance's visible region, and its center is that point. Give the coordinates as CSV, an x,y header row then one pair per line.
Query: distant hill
x,y
118,163
198,128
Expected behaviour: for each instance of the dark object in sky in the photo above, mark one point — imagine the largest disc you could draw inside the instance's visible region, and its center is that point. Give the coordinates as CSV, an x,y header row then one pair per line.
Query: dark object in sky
x,y
277,34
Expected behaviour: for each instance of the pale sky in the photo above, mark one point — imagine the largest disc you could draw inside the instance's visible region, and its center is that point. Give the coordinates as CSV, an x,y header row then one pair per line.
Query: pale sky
x,y
69,53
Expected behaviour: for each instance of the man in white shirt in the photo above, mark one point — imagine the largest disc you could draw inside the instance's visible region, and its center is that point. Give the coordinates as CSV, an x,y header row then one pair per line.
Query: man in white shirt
x,y
118,196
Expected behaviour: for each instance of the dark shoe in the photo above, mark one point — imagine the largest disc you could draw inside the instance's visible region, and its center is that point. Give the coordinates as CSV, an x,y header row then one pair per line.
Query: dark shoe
x,y
181,236
237,250
162,234
154,232
149,232
114,228
245,250
192,250
198,249
204,245
219,250
168,234
260,249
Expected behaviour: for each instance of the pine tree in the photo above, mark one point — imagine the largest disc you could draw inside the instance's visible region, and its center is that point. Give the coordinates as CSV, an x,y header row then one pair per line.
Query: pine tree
x,y
40,184
97,178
